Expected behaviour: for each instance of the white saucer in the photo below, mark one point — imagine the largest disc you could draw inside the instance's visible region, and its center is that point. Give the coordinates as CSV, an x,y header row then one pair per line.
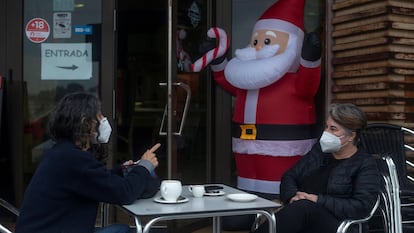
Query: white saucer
x,y
216,193
242,197
181,199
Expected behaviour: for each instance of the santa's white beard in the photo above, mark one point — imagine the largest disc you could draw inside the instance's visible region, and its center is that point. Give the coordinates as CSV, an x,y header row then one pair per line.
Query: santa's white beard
x,y
253,70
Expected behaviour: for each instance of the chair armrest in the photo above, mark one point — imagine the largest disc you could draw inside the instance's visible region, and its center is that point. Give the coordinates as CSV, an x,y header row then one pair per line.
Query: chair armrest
x,y
4,230
9,207
343,227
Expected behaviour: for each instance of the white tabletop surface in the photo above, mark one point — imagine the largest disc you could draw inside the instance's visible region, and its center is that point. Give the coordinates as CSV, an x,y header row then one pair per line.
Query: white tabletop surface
x,y
205,204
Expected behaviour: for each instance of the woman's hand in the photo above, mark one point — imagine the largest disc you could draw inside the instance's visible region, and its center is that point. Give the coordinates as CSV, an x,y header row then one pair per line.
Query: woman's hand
x,y
151,156
304,196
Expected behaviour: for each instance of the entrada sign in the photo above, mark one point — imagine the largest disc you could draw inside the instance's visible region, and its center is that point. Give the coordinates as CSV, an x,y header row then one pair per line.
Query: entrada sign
x,y
66,61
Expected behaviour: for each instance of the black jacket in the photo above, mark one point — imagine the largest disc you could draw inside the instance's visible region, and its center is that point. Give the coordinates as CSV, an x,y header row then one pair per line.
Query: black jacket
x,y
353,185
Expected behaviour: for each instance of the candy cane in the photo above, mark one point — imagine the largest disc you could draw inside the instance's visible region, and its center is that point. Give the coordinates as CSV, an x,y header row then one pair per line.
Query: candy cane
x,y
219,51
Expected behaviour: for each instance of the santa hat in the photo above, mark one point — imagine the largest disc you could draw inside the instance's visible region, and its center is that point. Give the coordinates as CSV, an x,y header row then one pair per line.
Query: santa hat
x,y
284,15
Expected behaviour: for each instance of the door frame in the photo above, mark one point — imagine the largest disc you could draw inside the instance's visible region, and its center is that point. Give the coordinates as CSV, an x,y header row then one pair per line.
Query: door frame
x,y
11,63
11,67
108,71
222,108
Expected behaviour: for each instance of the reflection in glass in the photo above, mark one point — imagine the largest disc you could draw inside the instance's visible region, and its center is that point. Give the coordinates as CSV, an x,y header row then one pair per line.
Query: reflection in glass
x,y
62,18
142,65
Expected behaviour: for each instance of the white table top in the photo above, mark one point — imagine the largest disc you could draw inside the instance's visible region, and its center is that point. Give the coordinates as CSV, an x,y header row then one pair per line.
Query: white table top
x,y
206,204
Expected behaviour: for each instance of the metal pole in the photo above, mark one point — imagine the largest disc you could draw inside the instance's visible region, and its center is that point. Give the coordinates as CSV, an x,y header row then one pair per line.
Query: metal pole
x,y
169,91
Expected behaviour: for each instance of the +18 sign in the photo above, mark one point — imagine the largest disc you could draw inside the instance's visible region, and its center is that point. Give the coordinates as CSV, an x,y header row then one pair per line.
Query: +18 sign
x,y
37,30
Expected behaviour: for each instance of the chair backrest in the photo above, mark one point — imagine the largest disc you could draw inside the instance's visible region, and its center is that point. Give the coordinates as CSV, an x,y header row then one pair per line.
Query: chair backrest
x,y
12,209
390,205
9,207
384,138
3,229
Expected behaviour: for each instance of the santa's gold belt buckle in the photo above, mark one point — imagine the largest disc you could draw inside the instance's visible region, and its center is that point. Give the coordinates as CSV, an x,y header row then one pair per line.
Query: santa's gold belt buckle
x,y
248,132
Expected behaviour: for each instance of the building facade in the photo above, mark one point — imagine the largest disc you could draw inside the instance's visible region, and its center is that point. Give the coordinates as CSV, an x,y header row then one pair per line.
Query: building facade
x,y
134,53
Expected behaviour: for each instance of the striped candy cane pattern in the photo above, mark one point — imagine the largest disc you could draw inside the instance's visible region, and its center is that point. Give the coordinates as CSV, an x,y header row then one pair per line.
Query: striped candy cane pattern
x,y
219,51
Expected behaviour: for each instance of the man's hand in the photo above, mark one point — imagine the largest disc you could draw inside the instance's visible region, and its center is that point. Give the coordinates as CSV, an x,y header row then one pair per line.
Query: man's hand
x,y
304,196
312,47
151,156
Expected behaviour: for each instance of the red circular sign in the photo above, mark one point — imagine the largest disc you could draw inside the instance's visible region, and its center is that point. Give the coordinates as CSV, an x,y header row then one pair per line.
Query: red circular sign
x,y
37,30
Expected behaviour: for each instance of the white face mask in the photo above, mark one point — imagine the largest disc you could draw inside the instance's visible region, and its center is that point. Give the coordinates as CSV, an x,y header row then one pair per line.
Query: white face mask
x,y
104,131
330,143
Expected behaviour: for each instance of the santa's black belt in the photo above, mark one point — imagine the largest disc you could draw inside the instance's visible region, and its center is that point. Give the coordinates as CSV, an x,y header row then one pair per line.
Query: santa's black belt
x,y
273,132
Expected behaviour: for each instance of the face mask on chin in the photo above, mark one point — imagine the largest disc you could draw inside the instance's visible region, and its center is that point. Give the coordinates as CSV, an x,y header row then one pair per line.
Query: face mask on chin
x,y
104,130
330,143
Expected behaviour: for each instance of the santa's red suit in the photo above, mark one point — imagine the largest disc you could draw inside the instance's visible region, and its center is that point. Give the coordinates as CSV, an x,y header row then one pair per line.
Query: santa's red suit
x,y
273,126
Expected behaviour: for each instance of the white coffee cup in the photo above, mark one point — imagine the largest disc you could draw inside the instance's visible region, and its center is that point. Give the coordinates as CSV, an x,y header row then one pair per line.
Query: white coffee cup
x,y
171,189
197,190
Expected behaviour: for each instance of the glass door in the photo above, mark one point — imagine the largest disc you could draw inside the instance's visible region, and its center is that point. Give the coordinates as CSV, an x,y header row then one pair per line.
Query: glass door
x,y
158,99
61,54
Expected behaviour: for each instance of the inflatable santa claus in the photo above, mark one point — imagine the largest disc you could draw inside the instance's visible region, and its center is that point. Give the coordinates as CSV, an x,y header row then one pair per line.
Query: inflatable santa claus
x,y
274,81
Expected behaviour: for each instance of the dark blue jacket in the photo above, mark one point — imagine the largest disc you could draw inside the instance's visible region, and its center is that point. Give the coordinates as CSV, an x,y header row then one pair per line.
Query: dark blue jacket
x,y
353,185
64,193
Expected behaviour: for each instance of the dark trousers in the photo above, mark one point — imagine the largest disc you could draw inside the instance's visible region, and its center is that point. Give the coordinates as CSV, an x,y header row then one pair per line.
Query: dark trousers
x,y
303,217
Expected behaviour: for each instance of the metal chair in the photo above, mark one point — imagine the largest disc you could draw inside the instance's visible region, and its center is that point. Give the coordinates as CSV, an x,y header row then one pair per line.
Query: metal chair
x,y
389,139
388,202
390,194
344,226
10,208
382,203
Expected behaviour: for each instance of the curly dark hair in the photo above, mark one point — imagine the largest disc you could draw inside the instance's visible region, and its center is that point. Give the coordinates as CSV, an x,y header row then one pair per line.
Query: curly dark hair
x,y
74,118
